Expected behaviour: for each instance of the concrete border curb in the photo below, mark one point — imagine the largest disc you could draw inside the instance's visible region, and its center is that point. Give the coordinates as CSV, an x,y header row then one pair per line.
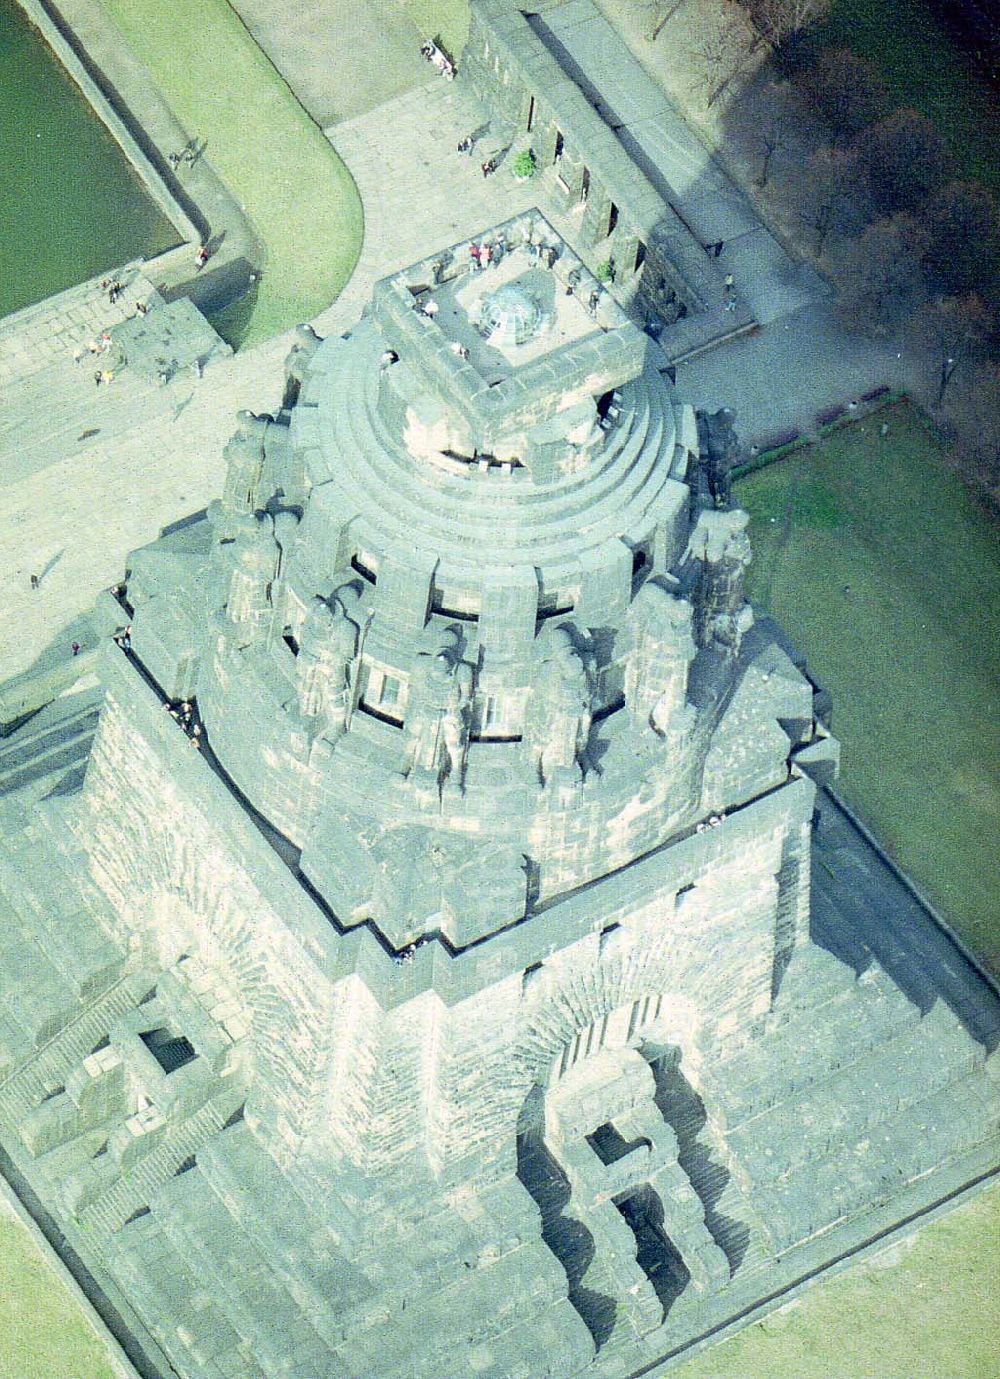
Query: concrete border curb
x,y
59,36
119,1360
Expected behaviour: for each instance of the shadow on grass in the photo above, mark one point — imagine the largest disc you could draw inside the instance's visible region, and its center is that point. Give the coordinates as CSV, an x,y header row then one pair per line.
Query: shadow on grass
x,y
233,321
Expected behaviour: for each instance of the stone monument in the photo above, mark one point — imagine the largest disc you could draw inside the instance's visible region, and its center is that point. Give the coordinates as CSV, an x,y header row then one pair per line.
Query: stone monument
x,y
421,982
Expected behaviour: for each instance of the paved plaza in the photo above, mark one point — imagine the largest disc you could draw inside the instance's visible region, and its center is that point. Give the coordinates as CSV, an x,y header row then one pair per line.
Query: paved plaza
x,y
92,473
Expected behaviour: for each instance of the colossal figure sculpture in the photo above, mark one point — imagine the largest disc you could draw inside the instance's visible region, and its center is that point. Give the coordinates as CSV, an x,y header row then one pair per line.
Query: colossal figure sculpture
x,y
326,665
438,720
560,714
464,1006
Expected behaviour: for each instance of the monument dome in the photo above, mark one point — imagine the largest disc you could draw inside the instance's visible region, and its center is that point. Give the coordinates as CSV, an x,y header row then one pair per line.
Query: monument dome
x,y
510,316
428,977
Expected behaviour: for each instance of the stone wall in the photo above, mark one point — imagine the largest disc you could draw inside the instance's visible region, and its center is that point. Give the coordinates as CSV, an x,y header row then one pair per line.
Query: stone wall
x,y
659,267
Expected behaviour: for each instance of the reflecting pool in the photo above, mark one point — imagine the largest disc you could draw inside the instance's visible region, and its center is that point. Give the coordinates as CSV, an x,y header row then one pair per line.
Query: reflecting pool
x,y
70,204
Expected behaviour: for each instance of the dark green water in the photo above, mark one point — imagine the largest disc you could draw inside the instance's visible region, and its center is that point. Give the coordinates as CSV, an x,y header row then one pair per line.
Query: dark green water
x,y
70,204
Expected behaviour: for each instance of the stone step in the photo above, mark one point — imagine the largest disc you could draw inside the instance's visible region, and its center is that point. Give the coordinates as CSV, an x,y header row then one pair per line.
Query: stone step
x,y
63,757
59,721
109,1212
49,1067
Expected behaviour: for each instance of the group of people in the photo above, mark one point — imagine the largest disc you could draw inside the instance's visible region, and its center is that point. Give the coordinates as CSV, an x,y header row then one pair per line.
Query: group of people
x,y
113,288
405,956
182,712
188,154
438,58
486,255
714,820
96,348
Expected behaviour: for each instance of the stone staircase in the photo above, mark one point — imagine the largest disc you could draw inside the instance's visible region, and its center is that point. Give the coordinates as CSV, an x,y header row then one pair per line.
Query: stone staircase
x,y
132,1191
48,1069
48,754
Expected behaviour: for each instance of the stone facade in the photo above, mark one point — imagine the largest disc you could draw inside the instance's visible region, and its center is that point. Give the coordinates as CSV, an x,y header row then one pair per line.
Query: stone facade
x,y
434,992
620,220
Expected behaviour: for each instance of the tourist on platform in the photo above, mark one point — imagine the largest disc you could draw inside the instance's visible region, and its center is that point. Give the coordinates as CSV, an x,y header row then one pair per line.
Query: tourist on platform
x,y
201,257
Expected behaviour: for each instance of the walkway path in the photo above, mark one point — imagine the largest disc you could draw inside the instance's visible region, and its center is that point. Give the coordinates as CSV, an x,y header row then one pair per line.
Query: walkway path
x,y
91,473
655,134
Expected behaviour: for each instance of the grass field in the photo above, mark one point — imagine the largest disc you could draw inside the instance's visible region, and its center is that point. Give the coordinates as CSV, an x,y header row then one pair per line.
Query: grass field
x,y
924,68
43,1332
446,20
927,1308
299,195
872,555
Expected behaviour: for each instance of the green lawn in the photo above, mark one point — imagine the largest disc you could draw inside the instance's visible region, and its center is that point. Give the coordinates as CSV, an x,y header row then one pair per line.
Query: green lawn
x,y
276,162
446,20
927,1308
924,68
43,1332
885,573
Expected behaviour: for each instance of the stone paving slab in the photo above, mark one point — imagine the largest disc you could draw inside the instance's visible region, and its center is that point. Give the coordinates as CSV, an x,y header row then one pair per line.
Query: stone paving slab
x,y
155,454
772,284
33,339
677,164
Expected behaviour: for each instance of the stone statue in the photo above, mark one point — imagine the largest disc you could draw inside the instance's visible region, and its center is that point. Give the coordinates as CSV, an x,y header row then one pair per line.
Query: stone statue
x,y
721,453
662,649
325,666
438,716
255,561
304,346
244,456
719,542
560,709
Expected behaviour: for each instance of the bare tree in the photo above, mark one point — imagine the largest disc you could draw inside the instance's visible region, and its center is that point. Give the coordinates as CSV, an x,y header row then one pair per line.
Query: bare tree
x,y
964,238
846,89
776,20
725,53
956,332
907,160
879,279
836,195
660,12
772,140
974,414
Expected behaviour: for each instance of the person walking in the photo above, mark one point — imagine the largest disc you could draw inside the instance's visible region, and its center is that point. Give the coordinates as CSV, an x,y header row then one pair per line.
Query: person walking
x,y
35,581
201,257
